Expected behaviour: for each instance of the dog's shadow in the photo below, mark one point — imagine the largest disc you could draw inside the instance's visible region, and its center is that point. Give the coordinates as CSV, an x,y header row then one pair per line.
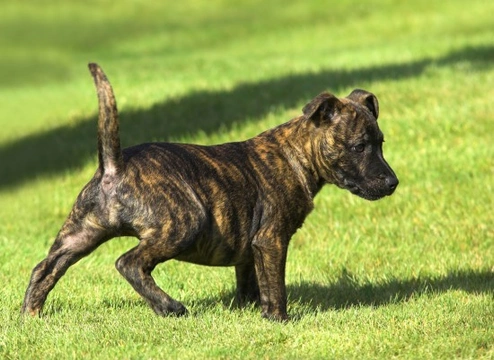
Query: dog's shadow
x,y
349,291
346,292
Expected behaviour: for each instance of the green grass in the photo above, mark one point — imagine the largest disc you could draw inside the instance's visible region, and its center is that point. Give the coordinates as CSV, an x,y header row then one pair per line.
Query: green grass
x,y
410,276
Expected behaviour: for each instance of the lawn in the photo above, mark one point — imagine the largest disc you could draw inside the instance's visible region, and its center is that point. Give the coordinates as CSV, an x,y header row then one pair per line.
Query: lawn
x,y
410,276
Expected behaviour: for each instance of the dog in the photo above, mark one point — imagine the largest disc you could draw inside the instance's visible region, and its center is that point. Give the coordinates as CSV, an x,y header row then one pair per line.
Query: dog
x,y
235,204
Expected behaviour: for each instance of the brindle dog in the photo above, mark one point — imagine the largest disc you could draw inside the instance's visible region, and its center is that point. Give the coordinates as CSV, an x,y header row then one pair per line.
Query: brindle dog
x,y
236,204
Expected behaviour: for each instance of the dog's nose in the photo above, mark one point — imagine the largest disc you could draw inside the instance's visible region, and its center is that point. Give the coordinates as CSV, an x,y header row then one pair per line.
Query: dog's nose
x,y
392,182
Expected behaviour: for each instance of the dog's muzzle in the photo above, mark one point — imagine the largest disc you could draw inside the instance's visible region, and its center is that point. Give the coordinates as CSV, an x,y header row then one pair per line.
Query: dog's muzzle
x,y
385,186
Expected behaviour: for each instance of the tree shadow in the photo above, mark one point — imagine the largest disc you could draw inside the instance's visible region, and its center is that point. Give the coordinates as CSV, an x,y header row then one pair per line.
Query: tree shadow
x,y
69,147
349,291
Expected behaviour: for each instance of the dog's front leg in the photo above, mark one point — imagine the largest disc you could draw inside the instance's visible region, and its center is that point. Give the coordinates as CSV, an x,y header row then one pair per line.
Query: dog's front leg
x,y
270,260
247,287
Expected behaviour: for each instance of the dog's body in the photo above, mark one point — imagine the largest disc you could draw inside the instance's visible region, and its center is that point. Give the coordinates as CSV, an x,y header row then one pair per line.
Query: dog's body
x,y
236,204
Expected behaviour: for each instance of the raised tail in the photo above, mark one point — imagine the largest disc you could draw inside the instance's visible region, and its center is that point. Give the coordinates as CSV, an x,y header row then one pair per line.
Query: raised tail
x,y
109,151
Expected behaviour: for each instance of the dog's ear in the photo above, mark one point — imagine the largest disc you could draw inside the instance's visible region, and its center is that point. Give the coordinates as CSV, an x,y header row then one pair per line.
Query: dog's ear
x,y
322,108
367,99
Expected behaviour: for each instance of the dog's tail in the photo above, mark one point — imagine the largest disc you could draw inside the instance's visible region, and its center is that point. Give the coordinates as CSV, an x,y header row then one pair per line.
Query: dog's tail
x,y
109,151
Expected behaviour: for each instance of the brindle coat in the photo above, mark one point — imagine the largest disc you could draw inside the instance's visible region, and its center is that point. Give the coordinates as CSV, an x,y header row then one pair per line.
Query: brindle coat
x,y
235,204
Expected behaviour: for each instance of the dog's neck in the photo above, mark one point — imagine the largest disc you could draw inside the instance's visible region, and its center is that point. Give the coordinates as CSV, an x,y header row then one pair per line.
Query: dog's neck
x,y
296,146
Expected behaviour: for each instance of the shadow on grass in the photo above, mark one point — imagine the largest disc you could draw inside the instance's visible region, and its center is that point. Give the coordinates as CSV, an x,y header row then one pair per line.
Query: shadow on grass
x,y
348,291
69,147
345,293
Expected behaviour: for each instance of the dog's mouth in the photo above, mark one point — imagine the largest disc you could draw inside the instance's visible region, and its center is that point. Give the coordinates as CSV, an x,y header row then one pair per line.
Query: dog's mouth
x,y
368,194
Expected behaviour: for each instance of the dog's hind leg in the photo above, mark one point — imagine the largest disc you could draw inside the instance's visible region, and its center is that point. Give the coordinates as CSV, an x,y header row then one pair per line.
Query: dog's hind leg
x,y
136,266
79,236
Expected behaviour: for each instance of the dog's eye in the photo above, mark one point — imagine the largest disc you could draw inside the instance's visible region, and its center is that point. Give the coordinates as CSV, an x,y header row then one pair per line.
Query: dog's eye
x,y
358,148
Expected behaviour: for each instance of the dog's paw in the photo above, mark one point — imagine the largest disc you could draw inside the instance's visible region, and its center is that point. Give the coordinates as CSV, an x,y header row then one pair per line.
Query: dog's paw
x,y
244,300
280,317
170,309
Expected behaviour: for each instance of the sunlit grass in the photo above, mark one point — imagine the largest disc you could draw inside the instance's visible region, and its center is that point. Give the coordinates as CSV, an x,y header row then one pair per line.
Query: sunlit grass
x,y
410,276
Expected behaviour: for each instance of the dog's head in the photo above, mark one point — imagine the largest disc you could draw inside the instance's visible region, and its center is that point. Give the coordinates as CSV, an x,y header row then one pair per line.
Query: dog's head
x,y
348,144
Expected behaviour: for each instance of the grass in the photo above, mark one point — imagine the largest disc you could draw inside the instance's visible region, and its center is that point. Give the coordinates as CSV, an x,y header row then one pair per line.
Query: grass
x,y
411,276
